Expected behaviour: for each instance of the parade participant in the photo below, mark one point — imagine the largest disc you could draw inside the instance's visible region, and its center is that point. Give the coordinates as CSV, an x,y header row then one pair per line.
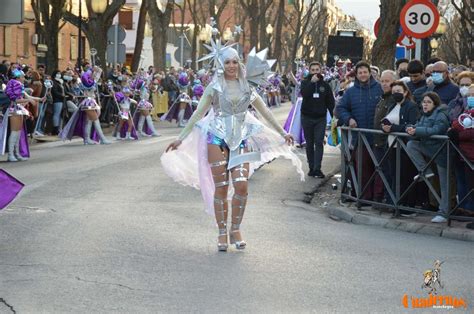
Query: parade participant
x,y
236,141
198,91
13,124
276,81
85,121
124,129
142,114
181,110
293,122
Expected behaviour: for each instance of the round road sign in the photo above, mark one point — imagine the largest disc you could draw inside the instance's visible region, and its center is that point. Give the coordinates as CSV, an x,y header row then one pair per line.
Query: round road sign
x,y
419,18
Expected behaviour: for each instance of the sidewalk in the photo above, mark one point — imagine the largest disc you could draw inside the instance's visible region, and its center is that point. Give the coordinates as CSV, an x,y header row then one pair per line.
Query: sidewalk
x,y
323,196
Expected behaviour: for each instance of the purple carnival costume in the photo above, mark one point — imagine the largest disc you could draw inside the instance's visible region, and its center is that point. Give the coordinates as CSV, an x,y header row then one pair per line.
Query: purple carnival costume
x,y
123,103
175,112
142,117
79,124
17,148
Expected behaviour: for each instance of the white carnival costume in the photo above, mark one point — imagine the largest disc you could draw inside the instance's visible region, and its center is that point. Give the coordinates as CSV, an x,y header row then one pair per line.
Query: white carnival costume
x,y
228,125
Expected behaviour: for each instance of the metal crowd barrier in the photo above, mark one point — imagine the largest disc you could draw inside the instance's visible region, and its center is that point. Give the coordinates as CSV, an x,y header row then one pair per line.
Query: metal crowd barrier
x,y
351,174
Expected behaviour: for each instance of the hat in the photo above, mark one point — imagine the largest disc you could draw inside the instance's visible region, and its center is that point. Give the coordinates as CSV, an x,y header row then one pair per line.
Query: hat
x,y
14,89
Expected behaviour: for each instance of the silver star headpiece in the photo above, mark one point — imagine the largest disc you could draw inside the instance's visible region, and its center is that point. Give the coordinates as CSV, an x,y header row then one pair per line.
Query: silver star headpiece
x,y
258,67
216,51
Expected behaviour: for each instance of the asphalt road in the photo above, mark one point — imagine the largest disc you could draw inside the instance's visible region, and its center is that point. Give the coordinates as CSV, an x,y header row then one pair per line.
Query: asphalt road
x,y
103,229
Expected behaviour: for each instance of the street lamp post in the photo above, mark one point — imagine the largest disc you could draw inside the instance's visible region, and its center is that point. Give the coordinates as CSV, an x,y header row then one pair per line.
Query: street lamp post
x,y
79,38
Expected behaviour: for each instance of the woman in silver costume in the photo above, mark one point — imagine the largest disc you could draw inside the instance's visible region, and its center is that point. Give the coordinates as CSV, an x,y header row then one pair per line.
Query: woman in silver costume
x,y
236,144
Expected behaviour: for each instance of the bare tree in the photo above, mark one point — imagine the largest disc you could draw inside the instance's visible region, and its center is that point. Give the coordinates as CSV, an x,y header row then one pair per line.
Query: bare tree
x,y
48,14
465,9
96,25
383,52
276,53
137,52
160,23
304,12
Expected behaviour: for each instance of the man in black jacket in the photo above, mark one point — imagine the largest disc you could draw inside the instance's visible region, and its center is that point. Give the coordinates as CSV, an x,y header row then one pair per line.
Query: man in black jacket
x,y
318,98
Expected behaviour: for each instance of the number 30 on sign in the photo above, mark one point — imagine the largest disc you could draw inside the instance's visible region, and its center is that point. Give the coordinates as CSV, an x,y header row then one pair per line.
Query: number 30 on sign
x,y
419,18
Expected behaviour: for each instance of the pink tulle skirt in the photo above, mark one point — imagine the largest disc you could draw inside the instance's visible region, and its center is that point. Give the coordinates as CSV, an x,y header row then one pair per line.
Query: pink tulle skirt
x,y
188,165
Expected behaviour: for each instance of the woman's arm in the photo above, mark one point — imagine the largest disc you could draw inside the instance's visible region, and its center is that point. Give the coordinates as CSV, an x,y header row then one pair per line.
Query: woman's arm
x,y
202,108
262,109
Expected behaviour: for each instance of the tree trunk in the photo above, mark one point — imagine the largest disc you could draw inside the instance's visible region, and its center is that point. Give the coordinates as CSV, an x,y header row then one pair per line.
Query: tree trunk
x,y
383,52
279,27
95,35
96,26
159,23
48,13
137,52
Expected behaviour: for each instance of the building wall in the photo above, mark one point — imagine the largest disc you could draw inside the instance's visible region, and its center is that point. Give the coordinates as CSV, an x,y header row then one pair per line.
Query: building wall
x,y
17,42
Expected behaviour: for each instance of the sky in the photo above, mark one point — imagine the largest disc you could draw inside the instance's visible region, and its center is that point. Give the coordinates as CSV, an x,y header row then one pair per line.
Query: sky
x,y
365,11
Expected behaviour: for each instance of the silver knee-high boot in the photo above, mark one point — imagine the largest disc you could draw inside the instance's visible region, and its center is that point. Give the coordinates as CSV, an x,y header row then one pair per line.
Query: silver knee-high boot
x,y
237,215
17,148
87,133
221,219
149,122
11,145
98,129
141,123
181,118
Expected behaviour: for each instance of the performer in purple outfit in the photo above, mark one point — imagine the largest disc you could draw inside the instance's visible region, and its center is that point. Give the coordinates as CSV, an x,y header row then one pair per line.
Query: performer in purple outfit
x,y
293,122
87,116
125,129
13,123
143,113
181,110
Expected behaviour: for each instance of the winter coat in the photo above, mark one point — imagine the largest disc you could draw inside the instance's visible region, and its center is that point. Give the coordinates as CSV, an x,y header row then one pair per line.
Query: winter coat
x,y
435,122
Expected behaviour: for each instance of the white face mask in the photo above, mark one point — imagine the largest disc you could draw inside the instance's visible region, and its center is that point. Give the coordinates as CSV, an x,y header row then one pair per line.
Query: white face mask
x,y
464,91
67,78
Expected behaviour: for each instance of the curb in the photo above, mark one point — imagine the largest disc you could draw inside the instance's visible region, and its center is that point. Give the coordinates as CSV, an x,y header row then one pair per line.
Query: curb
x,y
309,195
395,224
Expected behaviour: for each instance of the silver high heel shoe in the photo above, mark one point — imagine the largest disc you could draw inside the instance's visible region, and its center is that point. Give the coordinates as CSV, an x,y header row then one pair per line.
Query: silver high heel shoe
x,y
222,247
239,245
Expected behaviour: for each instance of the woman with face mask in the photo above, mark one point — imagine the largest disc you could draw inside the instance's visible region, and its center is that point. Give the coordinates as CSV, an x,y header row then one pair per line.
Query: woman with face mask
x,y
401,113
219,151
434,121
59,98
462,134
459,104
68,90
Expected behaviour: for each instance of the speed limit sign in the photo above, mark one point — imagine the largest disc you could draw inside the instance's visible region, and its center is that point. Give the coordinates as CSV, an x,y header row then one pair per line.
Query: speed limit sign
x,y
419,18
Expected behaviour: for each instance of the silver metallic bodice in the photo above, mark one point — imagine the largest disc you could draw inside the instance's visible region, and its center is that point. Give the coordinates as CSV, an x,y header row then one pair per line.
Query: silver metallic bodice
x,y
229,119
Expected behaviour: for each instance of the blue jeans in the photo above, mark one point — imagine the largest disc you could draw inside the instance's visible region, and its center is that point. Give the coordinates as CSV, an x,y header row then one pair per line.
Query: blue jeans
x,y
418,154
57,107
462,185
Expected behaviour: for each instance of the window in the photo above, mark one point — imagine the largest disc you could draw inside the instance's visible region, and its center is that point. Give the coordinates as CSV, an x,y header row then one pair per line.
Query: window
x,y
22,44
60,46
126,19
26,42
73,48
